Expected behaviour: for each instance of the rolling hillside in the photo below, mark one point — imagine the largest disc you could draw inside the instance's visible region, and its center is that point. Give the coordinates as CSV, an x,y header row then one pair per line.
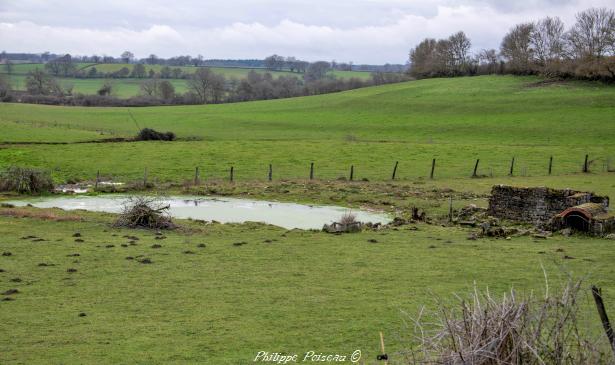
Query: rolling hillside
x,y
202,296
127,87
453,120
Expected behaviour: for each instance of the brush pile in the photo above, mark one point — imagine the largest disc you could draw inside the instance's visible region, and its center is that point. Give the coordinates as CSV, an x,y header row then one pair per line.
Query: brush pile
x,y
145,212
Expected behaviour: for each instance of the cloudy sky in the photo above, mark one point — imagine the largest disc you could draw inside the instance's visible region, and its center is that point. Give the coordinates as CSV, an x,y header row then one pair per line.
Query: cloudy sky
x,y
362,31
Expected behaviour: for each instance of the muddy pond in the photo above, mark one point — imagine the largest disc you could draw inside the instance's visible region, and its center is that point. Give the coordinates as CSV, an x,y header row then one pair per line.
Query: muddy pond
x,y
224,210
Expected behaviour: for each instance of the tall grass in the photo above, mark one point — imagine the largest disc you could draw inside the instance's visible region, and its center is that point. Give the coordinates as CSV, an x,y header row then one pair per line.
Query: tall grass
x,y
25,180
484,330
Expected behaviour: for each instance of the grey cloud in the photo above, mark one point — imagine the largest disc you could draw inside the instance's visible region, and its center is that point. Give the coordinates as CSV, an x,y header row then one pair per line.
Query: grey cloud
x,y
372,31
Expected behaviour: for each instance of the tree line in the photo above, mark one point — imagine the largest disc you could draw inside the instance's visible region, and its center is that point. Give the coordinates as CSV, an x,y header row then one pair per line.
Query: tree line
x,y
544,47
204,86
67,66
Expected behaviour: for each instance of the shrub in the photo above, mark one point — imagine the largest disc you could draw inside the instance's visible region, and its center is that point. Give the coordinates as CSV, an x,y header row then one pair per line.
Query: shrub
x,y
147,134
483,330
145,212
348,218
25,180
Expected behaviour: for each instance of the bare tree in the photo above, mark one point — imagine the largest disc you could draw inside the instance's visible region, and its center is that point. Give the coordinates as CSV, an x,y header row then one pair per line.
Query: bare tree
x,y
152,59
274,62
443,62
162,89
547,40
127,56
62,66
166,90
197,61
138,71
422,58
460,46
516,47
593,35
150,87
40,83
5,86
443,57
489,58
317,70
206,85
301,66
291,63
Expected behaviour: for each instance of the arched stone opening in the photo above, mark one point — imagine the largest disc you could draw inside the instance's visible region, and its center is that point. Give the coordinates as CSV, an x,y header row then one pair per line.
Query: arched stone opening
x,y
577,221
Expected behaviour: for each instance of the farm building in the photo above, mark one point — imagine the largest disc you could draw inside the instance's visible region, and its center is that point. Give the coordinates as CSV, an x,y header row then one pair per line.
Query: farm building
x,y
580,211
589,217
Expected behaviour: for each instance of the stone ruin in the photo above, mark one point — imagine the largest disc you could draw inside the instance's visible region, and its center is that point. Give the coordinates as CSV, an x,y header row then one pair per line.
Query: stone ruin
x,y
337,227
552,208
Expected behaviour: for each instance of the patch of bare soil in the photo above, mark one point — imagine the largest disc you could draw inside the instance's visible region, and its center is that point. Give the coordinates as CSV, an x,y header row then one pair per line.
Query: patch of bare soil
x,y
545,83
381,195
43,214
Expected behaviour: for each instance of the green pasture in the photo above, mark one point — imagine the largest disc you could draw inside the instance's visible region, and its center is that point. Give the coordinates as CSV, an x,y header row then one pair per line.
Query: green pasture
x,y
280,291
128,87
24,68
122,88
455,121
229,72
226,71
294,291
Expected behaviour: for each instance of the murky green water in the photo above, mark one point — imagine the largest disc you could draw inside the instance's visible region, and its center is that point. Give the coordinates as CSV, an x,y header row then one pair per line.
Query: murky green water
x,y
225,210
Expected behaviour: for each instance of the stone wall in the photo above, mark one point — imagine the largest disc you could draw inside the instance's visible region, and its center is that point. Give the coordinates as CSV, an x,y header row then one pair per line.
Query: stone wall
x,y
603,226
535,205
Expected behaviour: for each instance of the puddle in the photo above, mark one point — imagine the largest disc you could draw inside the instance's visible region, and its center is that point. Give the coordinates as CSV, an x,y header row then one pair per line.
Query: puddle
x,y
224,210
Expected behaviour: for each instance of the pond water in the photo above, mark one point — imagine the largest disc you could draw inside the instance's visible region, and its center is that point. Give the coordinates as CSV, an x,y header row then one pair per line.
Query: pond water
x,y
224,210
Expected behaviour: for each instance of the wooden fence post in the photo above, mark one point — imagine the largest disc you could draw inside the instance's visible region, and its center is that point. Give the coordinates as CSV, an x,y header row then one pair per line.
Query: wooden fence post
x,y
433,168
585,165
351,172
383,356
97,179
232,171
475,168
312,171
450,209
606,324
270,172
196,175
394,170
145,177
512,167
550,164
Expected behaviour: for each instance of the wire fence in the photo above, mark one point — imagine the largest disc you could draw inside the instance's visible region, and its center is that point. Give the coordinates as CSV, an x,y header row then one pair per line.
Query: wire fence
x,y
433,169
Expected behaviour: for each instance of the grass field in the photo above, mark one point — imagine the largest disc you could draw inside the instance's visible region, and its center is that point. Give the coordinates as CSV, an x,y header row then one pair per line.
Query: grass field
x,y
455,121
237,72
303,290
124,88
